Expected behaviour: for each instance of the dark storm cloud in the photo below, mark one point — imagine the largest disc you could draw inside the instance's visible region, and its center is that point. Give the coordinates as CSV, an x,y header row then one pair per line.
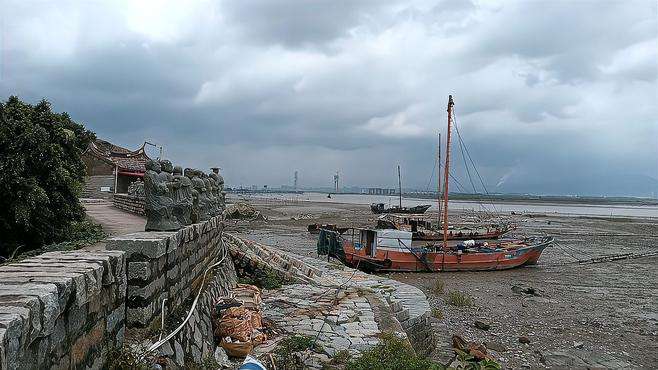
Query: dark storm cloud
x,y
296,23
549,95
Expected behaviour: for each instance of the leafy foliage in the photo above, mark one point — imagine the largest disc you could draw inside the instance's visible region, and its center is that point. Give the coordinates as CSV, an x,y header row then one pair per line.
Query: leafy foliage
x,y
391,353
264,279
82,234
437,313
439,287
41,174
465,361
459,299
286,348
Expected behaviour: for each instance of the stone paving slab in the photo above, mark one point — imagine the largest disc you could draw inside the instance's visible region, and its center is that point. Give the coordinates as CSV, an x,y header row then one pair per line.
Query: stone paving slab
x,y
341,320
114,220
350,319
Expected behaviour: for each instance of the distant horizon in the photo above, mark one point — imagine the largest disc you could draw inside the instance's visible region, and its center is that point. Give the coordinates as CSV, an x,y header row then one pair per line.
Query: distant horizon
x,y
410,190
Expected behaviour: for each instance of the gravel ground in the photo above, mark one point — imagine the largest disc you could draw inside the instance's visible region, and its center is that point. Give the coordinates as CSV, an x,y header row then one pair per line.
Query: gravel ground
x,y
597,315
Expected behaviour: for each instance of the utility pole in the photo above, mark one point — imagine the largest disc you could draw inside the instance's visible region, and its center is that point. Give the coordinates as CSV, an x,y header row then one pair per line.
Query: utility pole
x,y
438,183
400,186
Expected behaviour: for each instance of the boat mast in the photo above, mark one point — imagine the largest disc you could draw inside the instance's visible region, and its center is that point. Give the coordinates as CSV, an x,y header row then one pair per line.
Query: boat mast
x,y
400,186
438,182
446,177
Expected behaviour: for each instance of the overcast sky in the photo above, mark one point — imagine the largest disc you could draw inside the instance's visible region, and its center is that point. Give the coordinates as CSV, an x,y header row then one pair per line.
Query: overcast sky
x,y
550,96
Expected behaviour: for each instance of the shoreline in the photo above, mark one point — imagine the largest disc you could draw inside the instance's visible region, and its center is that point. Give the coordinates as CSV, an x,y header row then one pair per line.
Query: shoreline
x,y
498,199
646,208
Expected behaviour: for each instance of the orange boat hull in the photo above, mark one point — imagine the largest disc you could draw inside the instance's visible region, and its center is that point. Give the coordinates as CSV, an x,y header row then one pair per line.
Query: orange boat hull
x,y
403,261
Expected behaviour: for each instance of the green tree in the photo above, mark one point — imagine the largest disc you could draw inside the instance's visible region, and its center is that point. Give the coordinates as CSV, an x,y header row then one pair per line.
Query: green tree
x,y
41,174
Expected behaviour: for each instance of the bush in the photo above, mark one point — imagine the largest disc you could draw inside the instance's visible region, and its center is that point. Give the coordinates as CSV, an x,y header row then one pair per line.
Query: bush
x,y
439,287
264,279
391,353
285,349
437,313
459,299
41,175
82,234
341,357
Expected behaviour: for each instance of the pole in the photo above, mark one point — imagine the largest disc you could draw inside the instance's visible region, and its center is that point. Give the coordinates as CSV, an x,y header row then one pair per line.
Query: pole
x,y
438,182
446,177
400,187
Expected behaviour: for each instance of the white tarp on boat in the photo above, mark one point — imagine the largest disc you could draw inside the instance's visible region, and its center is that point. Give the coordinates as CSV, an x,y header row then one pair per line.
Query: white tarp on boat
x,y
392,238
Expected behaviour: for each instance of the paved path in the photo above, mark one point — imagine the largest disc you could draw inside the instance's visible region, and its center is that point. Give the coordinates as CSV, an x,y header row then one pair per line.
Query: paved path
x,y
113,220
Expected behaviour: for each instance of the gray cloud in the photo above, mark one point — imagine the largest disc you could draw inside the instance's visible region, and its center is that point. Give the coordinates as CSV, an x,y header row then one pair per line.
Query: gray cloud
x,y
544,90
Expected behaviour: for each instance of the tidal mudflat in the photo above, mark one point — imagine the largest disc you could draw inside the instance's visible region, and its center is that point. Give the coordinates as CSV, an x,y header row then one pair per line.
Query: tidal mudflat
x,y
602,314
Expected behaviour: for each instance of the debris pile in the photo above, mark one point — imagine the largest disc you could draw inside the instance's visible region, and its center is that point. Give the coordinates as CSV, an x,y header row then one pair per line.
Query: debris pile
x,y
243,211
237,321
471,355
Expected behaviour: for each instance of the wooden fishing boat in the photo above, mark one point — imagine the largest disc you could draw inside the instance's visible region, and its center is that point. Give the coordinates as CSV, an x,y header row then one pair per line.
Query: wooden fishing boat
x,y
424,228
315,228
392,250
379,208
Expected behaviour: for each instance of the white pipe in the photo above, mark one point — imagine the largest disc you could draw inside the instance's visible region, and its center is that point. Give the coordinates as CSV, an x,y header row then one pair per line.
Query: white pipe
x,y
159,343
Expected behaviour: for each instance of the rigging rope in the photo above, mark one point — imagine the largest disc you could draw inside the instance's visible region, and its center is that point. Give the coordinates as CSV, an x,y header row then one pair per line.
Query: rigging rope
x,y
461,148
472,162
436,159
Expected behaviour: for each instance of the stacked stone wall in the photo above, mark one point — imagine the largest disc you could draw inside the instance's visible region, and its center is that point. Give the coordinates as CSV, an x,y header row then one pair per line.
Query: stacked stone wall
x,y
195,341
129,203
62,310
167,266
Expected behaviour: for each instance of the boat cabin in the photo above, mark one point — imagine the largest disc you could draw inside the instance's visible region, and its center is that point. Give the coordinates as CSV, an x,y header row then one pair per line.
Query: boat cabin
x,y
372,240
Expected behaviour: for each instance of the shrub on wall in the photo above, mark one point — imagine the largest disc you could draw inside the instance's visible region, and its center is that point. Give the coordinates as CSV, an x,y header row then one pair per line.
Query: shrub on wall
x,y
41,175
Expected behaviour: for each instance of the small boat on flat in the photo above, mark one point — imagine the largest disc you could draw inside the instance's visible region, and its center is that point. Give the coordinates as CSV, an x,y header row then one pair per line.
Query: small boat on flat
x,y
380,208
315,228
392,250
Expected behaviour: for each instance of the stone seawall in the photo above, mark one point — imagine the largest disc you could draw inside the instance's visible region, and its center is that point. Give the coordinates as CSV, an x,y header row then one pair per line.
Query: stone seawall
x,y
195,342
129,203
62,310
166,265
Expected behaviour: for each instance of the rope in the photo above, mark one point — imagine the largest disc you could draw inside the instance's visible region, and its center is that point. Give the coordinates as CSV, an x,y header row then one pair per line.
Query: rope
x,y
461,148
606,258
159,343
427,187
472,162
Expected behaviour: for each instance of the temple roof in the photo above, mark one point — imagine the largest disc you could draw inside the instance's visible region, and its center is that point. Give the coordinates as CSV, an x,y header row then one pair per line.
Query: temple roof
x,y
125,159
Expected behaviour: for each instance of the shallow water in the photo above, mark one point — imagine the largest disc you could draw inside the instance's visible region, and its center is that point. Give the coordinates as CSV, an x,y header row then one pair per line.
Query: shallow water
x,y
547,208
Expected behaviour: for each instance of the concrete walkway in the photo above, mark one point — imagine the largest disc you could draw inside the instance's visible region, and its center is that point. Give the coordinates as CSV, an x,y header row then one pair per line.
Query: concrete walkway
x,y
114,221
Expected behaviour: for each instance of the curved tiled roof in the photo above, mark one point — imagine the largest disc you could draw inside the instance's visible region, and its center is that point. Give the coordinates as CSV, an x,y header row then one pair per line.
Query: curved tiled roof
x,y
124,159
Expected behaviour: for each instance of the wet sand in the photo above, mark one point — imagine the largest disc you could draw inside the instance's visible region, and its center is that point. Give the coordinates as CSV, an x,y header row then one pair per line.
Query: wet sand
x,y
604,312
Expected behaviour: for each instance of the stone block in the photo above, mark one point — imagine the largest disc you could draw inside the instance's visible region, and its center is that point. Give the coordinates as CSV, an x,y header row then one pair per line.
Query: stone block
x,y
139,270
141,245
